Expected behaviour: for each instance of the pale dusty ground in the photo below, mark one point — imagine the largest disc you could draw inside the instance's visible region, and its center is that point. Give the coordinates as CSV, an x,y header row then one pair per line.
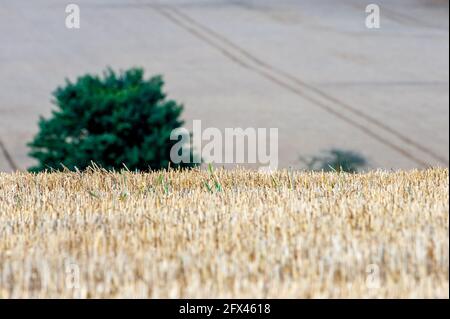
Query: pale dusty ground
x,y
310,68
290,235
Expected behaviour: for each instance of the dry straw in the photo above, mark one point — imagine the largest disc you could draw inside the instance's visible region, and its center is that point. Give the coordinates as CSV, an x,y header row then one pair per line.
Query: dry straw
x,y
224,234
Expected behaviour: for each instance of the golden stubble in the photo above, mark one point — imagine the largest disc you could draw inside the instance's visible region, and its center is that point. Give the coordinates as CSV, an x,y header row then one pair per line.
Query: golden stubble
x,y
230,233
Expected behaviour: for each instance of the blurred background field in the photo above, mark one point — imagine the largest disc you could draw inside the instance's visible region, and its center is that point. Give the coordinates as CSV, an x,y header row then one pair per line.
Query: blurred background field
x,y
310,68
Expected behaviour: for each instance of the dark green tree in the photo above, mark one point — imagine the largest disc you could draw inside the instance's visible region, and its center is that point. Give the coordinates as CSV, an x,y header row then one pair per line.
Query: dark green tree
x,y
111,120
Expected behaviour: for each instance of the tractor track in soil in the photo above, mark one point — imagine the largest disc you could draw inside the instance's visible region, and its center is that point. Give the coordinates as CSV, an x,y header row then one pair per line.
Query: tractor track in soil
x,y
294,84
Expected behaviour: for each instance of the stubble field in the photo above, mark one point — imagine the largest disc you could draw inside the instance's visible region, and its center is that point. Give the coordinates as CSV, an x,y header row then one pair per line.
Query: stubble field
x,y
238,233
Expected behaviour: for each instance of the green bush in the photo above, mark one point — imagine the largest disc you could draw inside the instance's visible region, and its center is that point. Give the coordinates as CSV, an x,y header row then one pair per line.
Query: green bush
x,y
111,120
337,160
